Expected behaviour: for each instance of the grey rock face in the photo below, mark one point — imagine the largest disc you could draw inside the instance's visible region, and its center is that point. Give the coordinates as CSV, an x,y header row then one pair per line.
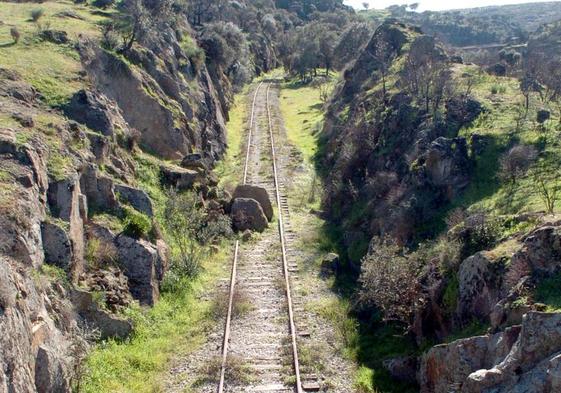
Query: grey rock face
x,y
141,262
541,251
445,367
136,198
259,194
521,359
50,376
64,201
247,214
99,189
95,111
479,287
57,245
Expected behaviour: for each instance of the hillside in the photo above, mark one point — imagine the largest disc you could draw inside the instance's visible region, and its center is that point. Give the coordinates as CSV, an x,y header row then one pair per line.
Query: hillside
x,y
415,154
479,26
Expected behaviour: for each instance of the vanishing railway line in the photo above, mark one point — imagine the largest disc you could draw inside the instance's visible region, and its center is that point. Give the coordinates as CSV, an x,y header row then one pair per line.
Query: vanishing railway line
x,y
264,338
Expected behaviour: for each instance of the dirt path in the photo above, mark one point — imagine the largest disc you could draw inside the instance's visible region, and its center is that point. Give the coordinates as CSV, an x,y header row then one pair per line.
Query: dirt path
x,y
260,355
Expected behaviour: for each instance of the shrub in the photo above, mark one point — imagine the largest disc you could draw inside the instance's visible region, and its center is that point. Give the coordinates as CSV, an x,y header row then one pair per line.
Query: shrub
x,y
100,253
36,14
15,34
388,281
136,224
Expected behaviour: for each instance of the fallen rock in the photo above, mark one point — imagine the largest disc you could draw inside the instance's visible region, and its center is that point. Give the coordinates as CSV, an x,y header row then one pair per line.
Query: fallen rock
x,y
260,194
330,264
138,199
247,214
182,179
194,161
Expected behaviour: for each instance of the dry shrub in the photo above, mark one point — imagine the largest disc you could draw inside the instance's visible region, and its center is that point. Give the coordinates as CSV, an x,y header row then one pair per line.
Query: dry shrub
x,y
241,304
236,371
388,280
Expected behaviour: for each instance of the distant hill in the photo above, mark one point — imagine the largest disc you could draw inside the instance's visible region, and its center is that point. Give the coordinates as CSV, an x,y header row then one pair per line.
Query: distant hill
x,y
478,26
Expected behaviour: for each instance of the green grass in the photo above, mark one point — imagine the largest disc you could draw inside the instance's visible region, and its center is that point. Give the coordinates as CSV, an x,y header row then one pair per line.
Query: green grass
x,y
175,326
302,111
230,167
52,69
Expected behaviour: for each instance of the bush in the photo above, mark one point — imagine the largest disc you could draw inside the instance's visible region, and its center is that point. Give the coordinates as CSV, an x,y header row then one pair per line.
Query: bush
x,y
388,281
36,14
136,224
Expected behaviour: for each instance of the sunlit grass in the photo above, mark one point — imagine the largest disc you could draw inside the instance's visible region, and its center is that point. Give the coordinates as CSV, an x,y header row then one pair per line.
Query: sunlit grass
x,y
175,326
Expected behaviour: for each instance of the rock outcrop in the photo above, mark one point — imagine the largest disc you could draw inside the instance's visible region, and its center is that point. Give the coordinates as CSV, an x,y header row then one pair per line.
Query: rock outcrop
x,y
142,264
521,359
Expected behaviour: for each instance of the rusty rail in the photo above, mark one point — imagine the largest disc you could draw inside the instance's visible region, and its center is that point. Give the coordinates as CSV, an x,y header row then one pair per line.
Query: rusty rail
x,y
233,274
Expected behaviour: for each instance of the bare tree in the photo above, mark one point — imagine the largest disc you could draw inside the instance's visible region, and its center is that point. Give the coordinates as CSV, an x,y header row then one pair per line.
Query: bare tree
x,y
516,162
546,184
425,74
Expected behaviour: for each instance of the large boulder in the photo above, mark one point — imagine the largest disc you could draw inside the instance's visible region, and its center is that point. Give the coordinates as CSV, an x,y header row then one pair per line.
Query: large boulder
x,y
138,199
247,213
194,161
141,263
480,282
260,194
180,178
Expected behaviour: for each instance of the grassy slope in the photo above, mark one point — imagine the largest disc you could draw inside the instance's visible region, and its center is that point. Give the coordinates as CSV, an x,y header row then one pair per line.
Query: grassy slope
x,y
366,346
52,69
499,125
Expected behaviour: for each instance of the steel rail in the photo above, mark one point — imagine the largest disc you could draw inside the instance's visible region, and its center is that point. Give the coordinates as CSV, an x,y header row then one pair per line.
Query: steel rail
x,y
284,259
283,249
233,273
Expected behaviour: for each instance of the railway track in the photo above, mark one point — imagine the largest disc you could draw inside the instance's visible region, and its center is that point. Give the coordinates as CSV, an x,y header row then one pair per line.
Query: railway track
x,y
265,338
